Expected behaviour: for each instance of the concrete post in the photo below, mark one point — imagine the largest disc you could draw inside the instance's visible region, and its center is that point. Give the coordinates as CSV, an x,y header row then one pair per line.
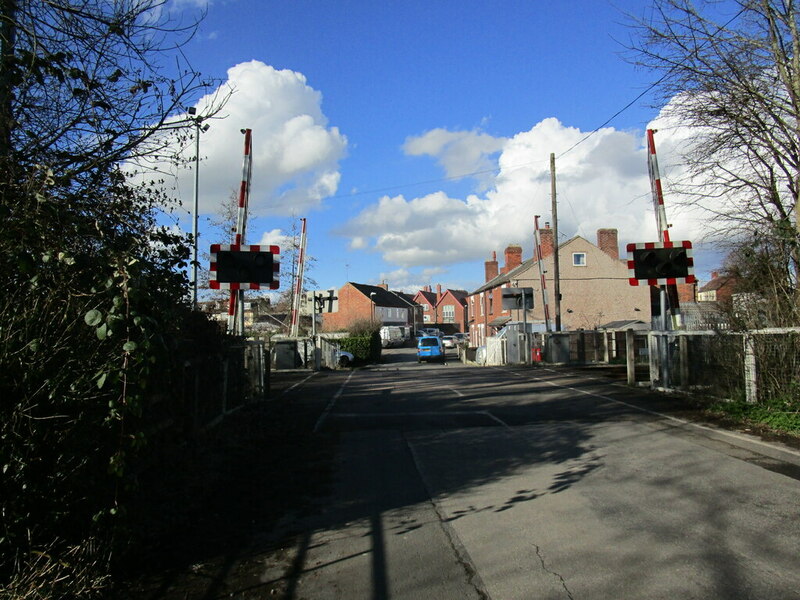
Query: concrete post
x,y
750,373
630,356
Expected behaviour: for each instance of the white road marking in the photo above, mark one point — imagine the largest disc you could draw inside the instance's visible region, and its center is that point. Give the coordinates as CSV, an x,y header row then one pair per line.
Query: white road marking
x,y
331,404
289,389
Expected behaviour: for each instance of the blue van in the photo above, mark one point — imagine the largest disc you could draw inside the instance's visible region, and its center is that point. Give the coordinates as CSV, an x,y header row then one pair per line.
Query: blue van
x,y
429,347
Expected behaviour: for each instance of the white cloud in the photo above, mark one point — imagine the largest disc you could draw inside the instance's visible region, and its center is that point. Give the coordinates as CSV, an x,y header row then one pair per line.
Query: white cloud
x,y
295,153
275,237
411,282
601,182
358,243
460,153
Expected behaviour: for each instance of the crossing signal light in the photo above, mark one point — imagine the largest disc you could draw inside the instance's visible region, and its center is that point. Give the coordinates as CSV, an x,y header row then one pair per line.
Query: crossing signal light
x,y
661,263
236,267
251,267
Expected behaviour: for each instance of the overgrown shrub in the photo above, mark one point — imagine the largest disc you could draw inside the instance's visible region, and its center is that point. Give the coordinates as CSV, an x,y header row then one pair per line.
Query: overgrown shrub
x,y
93,306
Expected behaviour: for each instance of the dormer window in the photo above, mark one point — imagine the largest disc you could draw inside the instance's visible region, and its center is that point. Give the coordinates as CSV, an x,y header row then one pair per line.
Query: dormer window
x,y
579,259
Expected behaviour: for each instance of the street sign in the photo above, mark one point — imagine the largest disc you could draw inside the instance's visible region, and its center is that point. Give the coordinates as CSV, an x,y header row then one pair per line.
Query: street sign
x,y
240,267
661,263
517,298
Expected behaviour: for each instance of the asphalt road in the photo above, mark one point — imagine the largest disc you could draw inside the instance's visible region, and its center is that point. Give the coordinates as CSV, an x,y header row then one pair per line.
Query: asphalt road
x,y
458,482
447,481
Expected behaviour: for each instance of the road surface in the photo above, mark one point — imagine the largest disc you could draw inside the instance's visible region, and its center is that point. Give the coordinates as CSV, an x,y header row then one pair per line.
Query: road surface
x,y
449,481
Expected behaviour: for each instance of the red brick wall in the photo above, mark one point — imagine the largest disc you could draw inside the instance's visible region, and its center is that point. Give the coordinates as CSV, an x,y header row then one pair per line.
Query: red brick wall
x,y
546,240
513,256
490,267
353,306
493,308
460,313
687,292
608,242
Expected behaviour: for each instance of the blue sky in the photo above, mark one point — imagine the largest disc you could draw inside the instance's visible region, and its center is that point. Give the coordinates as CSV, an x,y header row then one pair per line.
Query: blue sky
x,y
415,137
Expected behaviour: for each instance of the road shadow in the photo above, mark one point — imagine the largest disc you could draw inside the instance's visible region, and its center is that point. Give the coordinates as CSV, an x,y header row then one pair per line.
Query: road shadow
x,y
242,510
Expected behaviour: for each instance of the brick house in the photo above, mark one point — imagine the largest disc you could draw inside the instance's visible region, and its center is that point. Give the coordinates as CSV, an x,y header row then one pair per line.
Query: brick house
x,y
447,309
358,301
426,299
452,311
719,289
593,280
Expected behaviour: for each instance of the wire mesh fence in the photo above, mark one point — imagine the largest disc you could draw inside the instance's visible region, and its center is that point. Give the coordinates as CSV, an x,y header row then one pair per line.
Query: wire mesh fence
x,y
210,388
756,366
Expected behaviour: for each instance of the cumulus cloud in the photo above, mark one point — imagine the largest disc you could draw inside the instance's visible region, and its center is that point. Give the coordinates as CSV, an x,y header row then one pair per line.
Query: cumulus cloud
x,y
295,153
459,153
411,282
275,237
602,181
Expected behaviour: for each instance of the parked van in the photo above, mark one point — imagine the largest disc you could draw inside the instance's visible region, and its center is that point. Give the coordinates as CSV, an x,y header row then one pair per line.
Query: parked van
x,y
429,348
391,336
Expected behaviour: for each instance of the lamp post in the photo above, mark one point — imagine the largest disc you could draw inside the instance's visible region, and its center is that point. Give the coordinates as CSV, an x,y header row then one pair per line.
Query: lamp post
x,y
198,129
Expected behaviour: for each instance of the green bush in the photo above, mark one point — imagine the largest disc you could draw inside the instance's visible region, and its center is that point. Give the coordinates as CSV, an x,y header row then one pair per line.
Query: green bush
x,y
364,348
364,342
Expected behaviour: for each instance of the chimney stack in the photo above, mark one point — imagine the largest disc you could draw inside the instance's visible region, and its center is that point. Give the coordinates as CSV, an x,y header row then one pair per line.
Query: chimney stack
x,y
384,285
438,292
546,241
608,243
513,257
490,267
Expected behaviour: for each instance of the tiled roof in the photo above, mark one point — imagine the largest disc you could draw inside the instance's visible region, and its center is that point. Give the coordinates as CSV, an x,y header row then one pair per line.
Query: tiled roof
x,y
504,277
460,295
382,297
717,283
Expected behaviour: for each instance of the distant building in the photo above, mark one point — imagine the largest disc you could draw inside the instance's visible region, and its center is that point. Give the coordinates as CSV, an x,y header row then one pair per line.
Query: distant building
x,y
594,282
362,302
446,309
720,289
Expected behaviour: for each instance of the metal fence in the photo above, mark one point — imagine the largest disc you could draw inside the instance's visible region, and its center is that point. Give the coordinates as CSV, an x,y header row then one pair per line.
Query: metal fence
x,y
753,366
211,387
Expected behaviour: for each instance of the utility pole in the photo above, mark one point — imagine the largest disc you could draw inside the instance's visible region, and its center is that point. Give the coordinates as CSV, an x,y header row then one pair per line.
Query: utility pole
x,y
556,275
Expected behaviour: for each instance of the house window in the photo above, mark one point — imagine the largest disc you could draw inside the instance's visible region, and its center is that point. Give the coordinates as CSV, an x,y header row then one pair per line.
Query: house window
x,y
579,259
448,313
426,307
480,300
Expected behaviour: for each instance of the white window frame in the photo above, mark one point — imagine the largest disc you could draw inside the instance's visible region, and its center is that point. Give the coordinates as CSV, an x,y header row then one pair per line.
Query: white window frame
x,y
575,259
448,313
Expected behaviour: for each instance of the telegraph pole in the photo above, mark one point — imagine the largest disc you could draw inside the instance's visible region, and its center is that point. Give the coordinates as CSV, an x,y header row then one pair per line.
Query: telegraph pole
x,y
556,276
